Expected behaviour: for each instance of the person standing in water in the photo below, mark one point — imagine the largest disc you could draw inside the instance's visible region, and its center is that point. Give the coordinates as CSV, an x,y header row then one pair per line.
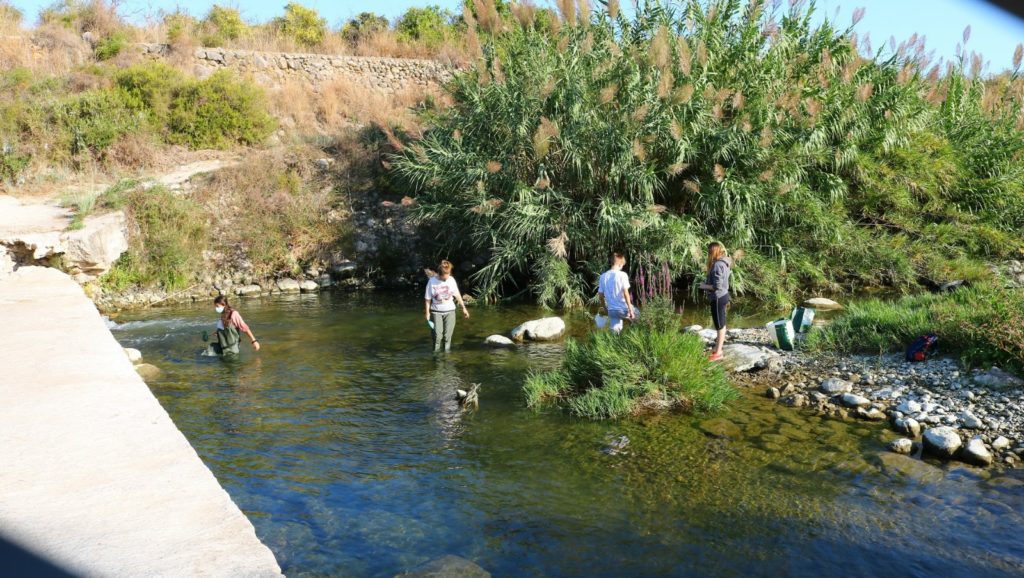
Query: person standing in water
x,y
229,327
439,305
613,288
716,285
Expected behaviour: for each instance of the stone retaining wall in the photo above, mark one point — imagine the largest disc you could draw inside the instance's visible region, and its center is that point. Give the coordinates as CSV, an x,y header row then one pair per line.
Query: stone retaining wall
x,y
273,68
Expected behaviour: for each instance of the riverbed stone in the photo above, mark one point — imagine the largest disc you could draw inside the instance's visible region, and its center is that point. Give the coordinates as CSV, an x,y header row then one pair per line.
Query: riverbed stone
x,y
546,329
499,341
942,441
309,286
822,304
740,357
134,355
869,413
907,425
287,285
971,421
854,400
795,400
773,393
976,453
692,329
248,290
998,379
148,371
906,466
708,335
834,385
446,567
901,446
1000,443
909,406
720,427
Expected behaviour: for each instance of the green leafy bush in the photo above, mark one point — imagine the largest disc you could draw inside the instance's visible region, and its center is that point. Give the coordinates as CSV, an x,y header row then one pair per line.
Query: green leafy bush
x,y
222,24
364,25
431,25
111,46
12,164
150,86
304,25
218,112
984,325
651,364
90,122
171,235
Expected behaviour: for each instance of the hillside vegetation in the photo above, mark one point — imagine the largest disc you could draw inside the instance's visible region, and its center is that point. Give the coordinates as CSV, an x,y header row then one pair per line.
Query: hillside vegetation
x,y
835,165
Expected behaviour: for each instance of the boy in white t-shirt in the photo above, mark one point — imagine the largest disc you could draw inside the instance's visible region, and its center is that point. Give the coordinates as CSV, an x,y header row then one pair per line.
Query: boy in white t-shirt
x,y
613,287
439,305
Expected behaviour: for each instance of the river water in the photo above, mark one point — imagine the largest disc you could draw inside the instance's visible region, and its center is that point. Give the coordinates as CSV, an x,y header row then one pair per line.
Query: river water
x,y
342,442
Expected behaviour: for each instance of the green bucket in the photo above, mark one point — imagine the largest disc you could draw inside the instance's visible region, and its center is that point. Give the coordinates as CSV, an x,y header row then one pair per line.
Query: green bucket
x,y
803,318
782,333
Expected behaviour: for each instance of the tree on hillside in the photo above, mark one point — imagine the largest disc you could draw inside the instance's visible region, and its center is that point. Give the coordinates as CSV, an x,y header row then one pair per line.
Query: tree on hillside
x,y
364,25
431,25
304,25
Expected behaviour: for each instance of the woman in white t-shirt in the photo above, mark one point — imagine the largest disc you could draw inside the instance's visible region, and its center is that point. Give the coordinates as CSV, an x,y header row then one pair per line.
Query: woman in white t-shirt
x,y
439,305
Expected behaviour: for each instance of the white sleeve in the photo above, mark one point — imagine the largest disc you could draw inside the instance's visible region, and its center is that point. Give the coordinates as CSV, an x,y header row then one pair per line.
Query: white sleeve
x,y
625,280
600,286
426,294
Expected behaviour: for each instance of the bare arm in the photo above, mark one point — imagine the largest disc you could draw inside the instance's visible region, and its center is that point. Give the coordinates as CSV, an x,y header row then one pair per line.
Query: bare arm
x,y
629,303
426,309
458,298
252,339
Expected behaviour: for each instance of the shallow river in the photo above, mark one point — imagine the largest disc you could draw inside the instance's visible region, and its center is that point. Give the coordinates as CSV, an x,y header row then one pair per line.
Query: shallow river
x,y
342,442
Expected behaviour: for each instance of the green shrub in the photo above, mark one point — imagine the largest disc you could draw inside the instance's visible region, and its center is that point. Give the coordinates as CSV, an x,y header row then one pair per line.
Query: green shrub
x,y
650,364
82,204
303,25
983,325
150,86
111,46
225,22
93,120
179,25
431,25
364,25
171,236
12,164
219,112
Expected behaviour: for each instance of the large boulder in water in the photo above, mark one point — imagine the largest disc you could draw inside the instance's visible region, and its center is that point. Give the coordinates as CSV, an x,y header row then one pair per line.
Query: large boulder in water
x,y
546,329
942,442
822,304
447,567
288,285
499,341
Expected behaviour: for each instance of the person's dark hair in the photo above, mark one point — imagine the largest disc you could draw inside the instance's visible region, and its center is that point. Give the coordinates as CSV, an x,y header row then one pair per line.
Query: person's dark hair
x,y
225,316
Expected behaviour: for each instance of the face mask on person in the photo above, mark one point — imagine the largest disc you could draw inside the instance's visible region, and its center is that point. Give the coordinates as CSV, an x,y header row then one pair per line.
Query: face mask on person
x,y
219,309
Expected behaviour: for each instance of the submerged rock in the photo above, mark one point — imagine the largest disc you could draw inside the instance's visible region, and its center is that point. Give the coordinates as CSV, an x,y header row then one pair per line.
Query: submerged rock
x,y
446,567
148,371
976,453
901,446
499,341
720,427
615,445
904,465
546,329
942,441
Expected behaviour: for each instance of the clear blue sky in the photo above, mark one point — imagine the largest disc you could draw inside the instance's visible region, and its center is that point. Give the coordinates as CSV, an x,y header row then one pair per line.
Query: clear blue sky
x,y
994,33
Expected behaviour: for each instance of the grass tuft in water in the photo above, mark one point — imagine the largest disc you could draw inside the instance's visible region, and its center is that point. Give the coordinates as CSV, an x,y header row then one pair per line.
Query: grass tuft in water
x,y
650,365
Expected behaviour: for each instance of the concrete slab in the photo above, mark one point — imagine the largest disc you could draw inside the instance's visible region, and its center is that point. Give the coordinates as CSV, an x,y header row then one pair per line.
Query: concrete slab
x,y
95,476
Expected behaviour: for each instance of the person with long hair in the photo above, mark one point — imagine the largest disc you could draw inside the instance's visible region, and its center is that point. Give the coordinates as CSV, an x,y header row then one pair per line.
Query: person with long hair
x,y
613,289
229,327
439,301
719,268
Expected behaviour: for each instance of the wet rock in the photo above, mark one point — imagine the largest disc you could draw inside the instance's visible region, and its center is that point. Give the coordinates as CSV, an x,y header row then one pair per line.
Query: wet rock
x,y
773,393
615,445
248,290
910,406
739,357
822,304
971,421
446,567
976,453
998,379
907,425
1000,443
720,428
854,400
546,329
309,286
795,400
134,355
906,466
834,385
942,441
901,446
148,371
343,270
499,341
869,414
287,285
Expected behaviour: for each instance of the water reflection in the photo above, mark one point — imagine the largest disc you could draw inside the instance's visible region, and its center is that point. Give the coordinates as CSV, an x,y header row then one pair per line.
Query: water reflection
x,y
344,443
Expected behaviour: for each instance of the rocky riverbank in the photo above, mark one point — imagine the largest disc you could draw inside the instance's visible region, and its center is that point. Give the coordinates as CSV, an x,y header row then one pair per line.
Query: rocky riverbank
x,y
943,410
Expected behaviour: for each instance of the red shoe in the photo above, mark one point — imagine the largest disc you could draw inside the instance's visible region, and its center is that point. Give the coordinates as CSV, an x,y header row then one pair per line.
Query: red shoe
x,y
715,357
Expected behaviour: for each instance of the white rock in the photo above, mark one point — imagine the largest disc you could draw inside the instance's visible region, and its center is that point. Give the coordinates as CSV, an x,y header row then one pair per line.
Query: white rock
x,y
248,290
869,413
692,329
976,453
309,286
907,425
910,406
822,304
901,446
1000,443
134,355
854,400
287,285
970,420
739,357
499,341
998,379
709,335
942,441
546,329
834,385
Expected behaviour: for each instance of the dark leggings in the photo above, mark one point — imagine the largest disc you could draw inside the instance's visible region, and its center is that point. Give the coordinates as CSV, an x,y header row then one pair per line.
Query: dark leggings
x,y
718,311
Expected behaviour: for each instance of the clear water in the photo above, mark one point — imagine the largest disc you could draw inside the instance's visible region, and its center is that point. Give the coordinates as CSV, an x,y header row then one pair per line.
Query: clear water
x,y
342,442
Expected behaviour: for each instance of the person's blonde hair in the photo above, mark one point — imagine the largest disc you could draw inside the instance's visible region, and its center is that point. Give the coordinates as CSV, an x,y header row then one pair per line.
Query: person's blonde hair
x,y
445,267
716,251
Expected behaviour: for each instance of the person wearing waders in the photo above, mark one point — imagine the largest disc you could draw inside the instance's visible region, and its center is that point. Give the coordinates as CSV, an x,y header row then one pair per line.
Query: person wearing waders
x,y
230,326
717,287
439,306
613,288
